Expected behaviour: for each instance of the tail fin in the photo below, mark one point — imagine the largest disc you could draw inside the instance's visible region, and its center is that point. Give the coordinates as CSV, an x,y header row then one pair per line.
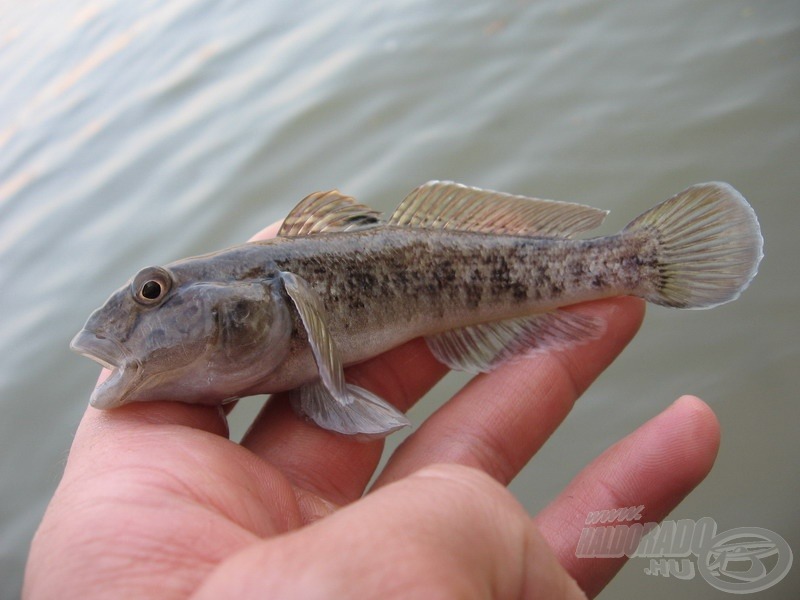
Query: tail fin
x,y
710,245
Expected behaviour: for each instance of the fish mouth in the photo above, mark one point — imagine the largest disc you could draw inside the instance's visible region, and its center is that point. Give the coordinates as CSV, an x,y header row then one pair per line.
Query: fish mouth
x,y
108,352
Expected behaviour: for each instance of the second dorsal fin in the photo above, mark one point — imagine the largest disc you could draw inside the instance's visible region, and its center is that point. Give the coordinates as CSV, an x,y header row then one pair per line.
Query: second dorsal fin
x,y
448,205
327,212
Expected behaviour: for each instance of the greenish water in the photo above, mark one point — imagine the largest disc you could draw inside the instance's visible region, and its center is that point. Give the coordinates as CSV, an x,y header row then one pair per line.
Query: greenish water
x,y
139,133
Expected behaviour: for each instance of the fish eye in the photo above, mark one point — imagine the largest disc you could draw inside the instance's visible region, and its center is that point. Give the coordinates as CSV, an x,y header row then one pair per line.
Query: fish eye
x,y
151,290
151,285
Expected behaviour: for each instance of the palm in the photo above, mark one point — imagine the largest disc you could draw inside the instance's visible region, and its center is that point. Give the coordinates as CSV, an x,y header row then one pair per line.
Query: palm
x,y
182,499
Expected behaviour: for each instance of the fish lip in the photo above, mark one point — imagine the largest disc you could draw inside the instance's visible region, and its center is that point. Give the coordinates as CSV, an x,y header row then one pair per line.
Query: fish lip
x,y
101,349
110,353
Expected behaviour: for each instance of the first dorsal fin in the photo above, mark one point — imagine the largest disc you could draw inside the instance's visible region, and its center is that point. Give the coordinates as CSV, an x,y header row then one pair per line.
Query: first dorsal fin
x,y
327,212
448,205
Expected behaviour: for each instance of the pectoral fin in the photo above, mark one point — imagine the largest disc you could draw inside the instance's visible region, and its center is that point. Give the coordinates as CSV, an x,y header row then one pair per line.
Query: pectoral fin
x,y
331,402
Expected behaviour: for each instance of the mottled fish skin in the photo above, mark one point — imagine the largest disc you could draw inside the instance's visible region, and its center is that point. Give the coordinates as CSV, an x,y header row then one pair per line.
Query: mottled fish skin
x,y
382,287
481,275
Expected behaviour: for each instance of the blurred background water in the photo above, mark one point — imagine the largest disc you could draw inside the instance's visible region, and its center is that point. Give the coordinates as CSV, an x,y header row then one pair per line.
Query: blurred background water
x,y
134,133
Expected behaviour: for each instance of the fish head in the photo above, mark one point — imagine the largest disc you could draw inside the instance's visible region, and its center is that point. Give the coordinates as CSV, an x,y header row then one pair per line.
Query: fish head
x,y
169,336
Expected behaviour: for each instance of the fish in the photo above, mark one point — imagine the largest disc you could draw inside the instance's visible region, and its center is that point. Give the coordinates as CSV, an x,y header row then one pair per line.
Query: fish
x,y
482,276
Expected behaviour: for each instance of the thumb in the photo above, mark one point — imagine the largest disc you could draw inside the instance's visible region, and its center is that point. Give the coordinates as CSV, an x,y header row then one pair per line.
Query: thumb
x,y
445,531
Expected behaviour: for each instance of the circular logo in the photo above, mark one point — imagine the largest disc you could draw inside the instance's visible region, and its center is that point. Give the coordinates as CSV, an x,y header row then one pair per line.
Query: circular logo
x,y
742,560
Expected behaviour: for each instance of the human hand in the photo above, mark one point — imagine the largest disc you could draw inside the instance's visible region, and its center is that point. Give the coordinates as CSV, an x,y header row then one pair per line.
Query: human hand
x,y
157,502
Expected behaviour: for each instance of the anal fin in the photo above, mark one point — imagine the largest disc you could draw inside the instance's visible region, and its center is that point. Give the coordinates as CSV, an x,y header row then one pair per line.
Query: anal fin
x,y
483,347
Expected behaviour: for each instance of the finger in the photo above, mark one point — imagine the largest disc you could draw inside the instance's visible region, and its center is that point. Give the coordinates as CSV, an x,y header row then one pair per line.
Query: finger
x,y
338,467
270,231
500,419
656,466
474,541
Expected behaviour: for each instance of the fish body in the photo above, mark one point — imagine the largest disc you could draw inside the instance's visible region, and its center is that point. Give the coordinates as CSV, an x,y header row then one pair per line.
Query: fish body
x,y
481,275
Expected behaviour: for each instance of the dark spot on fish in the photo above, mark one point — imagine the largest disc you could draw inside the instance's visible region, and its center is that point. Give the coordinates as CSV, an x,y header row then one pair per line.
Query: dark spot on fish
x,y
519,291
520,247
361,280
445,274
240,312
401,279
362,220
474,293
430,288
577,270
356,303
446,266
256,272
500,273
